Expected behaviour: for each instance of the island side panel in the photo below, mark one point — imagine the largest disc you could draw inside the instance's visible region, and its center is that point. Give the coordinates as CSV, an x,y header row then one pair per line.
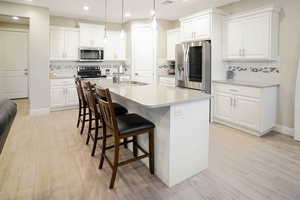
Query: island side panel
x,y
161,118
189,140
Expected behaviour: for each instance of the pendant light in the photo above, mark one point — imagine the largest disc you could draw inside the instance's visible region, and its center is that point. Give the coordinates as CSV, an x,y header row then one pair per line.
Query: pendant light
x,y
105,28
122,34
154,18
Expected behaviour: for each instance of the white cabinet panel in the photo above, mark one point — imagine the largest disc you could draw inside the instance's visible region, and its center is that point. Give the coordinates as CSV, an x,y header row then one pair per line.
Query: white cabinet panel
x,y
256,42
91,35
247,112
71,44
115,47
252,36
64,43
223,106
233,39
72,97
202,27
187,30
58,97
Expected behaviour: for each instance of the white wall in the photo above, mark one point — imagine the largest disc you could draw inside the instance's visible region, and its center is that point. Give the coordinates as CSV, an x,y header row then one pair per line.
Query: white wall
x,y
39,83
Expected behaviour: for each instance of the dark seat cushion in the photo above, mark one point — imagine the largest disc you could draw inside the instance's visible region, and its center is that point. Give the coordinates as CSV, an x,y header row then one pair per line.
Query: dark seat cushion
x,y
132,123
119,109
8,110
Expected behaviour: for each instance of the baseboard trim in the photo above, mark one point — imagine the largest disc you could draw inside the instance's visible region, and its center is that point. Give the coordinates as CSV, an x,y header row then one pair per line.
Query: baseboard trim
x,y
284,130
41,111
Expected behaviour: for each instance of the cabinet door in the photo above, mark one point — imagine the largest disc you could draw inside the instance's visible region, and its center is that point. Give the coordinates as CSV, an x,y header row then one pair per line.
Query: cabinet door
x,y
115,47
58,97
187,30
256,37
98,36
246,112
202,27
57,43
223,106
171,43
71,96
71,44
233,38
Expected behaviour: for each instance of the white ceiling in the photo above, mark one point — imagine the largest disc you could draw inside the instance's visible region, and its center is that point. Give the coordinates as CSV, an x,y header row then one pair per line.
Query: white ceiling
x,y
139,9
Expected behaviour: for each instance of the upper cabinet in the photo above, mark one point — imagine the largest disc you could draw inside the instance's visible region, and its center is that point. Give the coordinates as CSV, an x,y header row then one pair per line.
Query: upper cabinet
x,y
252,36
196,27
115,47
64,43
91,35
173,38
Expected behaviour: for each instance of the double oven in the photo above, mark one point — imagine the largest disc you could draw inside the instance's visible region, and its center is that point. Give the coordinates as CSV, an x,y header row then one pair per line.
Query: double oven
x,y
193,65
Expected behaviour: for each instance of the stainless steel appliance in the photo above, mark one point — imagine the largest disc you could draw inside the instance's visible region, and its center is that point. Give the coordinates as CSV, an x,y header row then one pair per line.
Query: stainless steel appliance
x,y
91,54
89,72
193,65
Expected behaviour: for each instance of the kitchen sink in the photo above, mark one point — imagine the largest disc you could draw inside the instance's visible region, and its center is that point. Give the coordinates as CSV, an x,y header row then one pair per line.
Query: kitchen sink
x,y
134,83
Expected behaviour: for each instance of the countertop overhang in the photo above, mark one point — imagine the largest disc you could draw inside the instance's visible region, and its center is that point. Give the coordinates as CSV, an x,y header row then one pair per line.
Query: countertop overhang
x,y
247,84
152,95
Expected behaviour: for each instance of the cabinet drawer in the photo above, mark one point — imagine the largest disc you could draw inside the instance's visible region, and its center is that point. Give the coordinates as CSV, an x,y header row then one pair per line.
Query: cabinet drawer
x,y
238,90
62,82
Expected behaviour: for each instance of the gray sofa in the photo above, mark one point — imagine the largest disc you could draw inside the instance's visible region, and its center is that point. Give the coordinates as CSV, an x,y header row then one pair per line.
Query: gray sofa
x,y
8,111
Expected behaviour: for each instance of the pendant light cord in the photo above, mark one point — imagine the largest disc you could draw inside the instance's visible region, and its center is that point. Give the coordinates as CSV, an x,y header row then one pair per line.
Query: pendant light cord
x,y
105,18
122,13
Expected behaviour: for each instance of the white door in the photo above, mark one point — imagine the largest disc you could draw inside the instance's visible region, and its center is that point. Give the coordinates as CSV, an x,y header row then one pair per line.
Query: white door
x,y
223,106
233,39
143,53
71,44
58,97
57,44
202,27
71,96
256,34
13,64
246,112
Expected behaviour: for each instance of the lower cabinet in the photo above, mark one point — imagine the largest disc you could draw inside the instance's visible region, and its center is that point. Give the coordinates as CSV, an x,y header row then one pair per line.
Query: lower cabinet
x,y
63,94
250,109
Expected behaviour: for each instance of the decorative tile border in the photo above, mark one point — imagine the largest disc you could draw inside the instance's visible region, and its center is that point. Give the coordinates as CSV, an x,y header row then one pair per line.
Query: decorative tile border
x,y
254,69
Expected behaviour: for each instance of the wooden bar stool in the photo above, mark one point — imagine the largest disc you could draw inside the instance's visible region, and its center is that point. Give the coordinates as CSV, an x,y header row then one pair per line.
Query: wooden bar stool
x,y
94,114
123,127
82,112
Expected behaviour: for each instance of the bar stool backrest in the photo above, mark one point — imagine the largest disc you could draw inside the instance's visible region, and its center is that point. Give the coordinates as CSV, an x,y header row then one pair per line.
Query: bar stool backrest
x,y
90,96
79,90
107,110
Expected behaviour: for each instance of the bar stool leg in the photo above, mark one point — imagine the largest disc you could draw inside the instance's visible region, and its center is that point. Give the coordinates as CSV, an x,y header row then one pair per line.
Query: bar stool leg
x,y
103,147
79,114
151,151
135,150
115,165
90,127
83,120
96,135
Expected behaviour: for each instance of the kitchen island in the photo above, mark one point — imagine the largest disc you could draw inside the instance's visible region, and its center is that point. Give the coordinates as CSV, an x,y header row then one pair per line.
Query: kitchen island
x,y
181,117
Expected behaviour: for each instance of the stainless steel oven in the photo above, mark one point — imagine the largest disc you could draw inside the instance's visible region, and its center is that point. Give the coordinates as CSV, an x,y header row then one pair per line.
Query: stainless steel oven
x,y
91,54
193,65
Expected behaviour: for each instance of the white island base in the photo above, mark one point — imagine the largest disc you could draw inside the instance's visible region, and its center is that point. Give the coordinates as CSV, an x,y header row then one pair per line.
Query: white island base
x,y
181,137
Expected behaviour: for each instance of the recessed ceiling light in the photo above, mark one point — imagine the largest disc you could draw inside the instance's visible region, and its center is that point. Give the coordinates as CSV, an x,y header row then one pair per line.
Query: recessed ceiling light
x,y
15,18
28,0
86,8
127,14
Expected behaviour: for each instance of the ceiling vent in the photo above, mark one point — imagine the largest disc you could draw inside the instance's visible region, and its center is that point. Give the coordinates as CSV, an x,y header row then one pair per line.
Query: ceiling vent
x,y
167,2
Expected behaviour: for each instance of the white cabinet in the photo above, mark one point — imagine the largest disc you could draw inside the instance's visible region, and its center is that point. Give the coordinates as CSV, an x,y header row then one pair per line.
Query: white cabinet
x,y
115,48
63,94
196,27
167,81
252,36
250,109
173,38
91,35
64,43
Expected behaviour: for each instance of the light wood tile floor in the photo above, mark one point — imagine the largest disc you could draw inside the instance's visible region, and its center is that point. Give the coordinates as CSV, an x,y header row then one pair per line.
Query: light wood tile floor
x,y
46,158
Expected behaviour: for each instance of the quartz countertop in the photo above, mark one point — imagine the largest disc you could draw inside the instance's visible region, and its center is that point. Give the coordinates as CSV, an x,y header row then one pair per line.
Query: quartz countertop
x,y
152,95
248,84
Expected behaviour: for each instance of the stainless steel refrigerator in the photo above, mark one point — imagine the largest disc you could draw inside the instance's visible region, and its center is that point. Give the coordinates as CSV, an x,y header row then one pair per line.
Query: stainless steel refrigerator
x,y
193,65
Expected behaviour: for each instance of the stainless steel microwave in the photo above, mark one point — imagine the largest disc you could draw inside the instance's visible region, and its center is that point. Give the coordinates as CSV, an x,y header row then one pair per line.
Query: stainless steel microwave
x,y
91,54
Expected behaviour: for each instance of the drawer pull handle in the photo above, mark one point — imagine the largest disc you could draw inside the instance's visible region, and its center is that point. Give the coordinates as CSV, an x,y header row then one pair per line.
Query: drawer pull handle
x,y
233,90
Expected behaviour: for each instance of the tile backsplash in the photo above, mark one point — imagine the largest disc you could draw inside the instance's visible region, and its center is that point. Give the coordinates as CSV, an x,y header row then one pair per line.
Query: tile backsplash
x,y
255,72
